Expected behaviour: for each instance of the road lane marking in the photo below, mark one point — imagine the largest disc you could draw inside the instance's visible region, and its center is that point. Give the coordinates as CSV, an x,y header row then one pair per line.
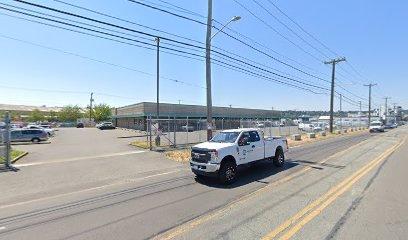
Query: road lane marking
x,y
188,226
2,228
126,181
319,204
79,158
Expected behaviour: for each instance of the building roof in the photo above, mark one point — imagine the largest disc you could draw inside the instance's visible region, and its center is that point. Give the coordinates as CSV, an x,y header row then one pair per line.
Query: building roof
x,y
145,109
26,108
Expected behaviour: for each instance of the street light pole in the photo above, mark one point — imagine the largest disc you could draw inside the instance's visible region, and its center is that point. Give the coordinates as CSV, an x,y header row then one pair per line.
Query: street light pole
x,y
157,77
208,70
208,64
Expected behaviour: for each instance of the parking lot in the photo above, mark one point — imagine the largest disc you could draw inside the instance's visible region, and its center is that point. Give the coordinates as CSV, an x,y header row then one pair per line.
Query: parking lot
x,y
78,143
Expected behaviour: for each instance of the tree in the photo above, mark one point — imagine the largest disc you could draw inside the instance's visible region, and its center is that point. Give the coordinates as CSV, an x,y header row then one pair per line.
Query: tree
x,y
53,117
70,113
101,112
36,116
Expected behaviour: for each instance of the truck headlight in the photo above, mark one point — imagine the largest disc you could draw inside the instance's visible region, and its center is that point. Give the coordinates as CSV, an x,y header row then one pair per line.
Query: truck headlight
x,y
214,155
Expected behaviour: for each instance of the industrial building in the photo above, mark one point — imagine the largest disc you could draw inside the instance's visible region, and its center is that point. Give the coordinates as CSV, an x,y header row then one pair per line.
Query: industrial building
x,y
135,116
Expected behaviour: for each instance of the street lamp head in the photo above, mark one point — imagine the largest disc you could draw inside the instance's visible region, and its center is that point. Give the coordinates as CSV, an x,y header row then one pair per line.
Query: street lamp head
x,y
235,18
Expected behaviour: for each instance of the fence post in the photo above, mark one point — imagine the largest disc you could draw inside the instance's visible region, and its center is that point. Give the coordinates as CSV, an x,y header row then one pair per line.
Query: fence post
x,y
187,131
7,140
174,131
222,123
150,133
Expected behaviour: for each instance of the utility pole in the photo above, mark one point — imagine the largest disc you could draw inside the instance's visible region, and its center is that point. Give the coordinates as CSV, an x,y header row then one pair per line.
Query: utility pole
x,y
90,107
386,106
333,62
157,39
369,101
208,70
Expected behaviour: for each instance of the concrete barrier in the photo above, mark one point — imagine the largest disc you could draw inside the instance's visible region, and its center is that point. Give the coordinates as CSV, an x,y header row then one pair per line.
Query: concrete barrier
x,y
323,134
296,137
311,135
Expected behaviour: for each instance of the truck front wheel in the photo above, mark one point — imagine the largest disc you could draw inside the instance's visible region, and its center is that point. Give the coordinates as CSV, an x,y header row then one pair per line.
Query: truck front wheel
x,y
279,159
228,172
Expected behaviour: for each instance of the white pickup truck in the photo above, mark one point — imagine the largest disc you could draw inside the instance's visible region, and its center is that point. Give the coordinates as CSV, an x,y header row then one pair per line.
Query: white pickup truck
x,y
229,149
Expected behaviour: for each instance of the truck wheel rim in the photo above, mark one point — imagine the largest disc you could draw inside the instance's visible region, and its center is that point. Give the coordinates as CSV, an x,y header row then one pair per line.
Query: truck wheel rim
x,y
230,173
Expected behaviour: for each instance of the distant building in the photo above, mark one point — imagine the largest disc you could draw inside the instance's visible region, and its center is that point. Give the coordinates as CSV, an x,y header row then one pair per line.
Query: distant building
x,y
135,116
22,112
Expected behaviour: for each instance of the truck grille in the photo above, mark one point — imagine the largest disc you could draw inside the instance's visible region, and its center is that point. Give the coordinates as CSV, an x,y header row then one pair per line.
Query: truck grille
x,y
200,155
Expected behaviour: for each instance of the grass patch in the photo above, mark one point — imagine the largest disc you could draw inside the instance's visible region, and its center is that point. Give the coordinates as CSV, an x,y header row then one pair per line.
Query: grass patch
x,y
141,144
182,155
14,155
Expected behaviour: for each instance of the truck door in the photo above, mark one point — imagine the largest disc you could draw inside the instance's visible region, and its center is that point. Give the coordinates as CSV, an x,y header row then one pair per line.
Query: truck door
x,y
257,146
244,148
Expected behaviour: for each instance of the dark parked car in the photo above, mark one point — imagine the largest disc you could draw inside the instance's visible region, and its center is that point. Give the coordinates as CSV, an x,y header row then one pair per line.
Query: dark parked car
x,y
106,125
80,125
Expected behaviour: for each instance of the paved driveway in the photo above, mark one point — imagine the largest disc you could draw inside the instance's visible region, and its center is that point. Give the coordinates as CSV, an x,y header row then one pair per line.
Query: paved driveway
x,y
77,143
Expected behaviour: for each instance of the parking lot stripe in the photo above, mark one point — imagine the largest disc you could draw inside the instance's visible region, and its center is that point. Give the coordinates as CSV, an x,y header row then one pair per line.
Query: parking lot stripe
x,y
126,181
79,159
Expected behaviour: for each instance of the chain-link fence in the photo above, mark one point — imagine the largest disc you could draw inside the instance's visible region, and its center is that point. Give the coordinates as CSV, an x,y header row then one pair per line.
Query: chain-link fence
x,y
5,149
175,132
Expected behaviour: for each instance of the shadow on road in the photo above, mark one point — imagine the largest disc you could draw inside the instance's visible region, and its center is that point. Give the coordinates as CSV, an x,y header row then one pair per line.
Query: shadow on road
x,y
253,173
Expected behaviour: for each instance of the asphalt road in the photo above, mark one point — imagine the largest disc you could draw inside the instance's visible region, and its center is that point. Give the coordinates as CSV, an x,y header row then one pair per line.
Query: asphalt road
x,y
324,190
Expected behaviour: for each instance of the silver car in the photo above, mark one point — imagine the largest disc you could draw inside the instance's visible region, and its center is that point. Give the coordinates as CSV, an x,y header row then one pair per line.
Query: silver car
x,y
28,135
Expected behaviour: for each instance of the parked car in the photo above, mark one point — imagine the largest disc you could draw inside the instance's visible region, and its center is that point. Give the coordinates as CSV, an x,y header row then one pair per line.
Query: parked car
x,y
49,131
28,135
225,152
376,126
106,125
80,125
187,128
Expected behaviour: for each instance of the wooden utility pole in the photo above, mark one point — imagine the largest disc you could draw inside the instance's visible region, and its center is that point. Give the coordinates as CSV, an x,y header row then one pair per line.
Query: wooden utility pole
x,y
333,62
369,101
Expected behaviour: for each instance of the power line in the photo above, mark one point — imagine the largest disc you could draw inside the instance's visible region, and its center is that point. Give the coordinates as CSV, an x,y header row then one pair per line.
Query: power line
x,y
232,67
184,10
276,31
290,29
127,21
99,61
233,37
255,48
301,28
186,52
150,44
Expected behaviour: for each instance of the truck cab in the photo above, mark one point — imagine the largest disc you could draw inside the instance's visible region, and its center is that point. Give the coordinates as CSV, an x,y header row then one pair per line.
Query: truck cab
x,y
229,149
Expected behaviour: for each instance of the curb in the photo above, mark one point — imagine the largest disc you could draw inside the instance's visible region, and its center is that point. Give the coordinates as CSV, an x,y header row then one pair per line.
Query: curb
x,y
19,157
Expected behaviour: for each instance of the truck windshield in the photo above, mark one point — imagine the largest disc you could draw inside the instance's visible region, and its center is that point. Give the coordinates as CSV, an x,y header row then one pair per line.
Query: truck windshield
x,y
228,137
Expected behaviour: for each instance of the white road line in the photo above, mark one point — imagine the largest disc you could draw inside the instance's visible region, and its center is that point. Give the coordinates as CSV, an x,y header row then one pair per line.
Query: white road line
x,y
2,228
78,159
126,181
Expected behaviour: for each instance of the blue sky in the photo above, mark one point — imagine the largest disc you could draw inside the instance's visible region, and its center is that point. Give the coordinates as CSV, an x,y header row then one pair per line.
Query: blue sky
x,y
371,34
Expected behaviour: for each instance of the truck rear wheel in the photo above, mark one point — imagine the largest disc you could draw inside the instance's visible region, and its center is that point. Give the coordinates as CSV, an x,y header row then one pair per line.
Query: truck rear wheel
x,y
228,172
279,159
